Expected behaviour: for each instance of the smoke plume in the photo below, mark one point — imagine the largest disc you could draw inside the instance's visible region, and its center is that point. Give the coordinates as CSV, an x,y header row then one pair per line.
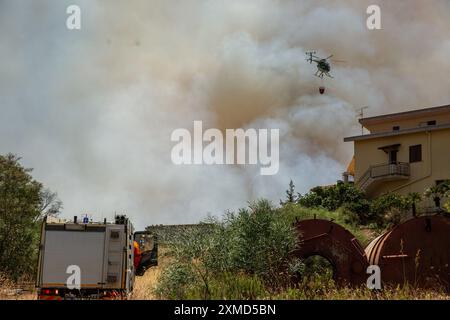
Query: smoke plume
x,y
93,110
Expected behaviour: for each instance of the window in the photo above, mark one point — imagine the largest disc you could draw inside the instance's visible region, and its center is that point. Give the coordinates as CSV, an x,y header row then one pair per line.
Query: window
x,y
415,153
396,128
431,123
393,156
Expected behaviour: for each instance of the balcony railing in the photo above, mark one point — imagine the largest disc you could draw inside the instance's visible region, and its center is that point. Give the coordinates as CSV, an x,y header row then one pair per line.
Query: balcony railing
x,y
388,171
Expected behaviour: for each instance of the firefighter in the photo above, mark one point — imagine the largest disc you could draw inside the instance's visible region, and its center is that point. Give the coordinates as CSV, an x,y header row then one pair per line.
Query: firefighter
x,y
137,255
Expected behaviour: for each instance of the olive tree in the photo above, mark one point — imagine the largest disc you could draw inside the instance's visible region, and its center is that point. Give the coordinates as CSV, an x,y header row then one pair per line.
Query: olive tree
x,y
23,203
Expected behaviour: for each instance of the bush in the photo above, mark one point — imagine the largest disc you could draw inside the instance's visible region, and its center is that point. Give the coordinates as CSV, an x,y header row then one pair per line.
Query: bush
x,y
317,269
389,209
251,246
259,241
437,192
342,216
340,195
334,197
175,282
353,207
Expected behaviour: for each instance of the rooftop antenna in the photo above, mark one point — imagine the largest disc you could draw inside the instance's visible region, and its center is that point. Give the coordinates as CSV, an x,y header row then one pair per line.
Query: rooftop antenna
x,y
361,116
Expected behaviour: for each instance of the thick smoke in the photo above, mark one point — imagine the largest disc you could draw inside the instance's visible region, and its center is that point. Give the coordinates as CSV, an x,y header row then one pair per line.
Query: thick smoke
x,y
92,110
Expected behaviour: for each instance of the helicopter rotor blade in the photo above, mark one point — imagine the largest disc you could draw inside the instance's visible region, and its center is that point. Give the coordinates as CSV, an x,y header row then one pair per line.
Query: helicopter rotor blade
x,y
311,54
329,57
342,61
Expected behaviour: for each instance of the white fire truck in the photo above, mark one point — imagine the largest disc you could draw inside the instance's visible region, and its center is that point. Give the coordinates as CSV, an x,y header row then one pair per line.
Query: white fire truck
x,y
86,260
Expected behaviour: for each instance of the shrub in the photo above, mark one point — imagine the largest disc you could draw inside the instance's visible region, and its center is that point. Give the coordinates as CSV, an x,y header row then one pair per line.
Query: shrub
x,y
389,209
340,195
256,242
334,197
447,206
259,241
436,193
355,209
342,216
176,280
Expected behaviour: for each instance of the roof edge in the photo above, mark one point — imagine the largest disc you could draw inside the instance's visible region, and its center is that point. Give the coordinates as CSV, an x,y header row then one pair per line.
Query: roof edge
x,y
396,133
405,114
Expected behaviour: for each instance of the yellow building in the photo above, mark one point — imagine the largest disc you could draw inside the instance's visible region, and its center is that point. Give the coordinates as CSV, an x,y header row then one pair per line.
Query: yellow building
x,y
403,152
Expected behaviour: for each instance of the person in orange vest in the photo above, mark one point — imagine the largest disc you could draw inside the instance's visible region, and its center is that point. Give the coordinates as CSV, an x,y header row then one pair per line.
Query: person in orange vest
x,y
137,255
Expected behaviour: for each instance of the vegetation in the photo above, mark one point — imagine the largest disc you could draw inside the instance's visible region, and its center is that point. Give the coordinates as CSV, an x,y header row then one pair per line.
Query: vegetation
x,y
323,290
342,216
246,255
23,203
291,197
237,257
447,206
356,210
314,286
437,192
336,196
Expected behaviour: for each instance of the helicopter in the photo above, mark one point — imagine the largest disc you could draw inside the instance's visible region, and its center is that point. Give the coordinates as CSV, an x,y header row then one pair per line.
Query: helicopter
x,y
323,65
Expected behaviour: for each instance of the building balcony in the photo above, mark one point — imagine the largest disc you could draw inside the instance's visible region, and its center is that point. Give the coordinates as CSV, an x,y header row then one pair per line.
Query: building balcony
x,y
384,172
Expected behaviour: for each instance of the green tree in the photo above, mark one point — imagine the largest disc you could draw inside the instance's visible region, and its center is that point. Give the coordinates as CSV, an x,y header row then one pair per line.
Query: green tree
x,y
291,197
23,202
437,192
413,198
340,195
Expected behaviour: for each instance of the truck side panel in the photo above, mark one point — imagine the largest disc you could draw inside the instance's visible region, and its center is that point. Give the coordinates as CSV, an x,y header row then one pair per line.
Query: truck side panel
x,y
114,255
65,248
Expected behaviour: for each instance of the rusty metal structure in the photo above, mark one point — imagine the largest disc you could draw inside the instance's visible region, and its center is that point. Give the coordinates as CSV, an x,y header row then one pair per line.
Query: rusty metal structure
x,y
416,251
336,244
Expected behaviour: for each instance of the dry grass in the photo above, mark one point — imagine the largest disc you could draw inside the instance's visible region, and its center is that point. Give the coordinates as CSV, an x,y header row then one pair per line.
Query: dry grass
x,y
24,290
27,295
361,293
144,286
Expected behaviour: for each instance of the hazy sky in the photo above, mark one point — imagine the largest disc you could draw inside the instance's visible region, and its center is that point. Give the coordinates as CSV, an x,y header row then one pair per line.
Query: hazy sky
x,y
92,110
